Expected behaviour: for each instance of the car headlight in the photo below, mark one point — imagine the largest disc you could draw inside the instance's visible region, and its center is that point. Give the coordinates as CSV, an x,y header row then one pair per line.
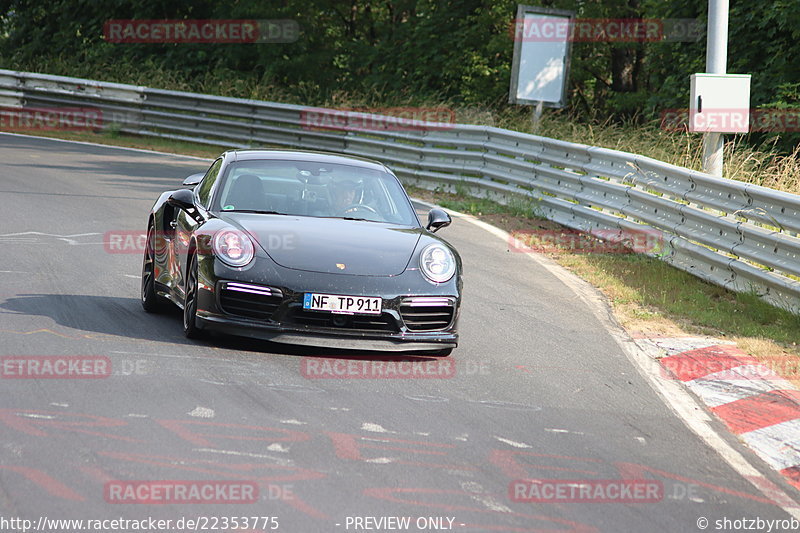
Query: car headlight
x,y
437,263
233,247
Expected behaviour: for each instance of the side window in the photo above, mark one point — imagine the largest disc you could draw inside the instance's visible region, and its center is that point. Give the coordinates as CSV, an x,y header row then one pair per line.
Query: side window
x,y
204,189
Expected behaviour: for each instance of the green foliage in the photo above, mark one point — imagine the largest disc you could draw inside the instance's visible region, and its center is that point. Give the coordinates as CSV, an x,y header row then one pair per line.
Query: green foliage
x,y
404,52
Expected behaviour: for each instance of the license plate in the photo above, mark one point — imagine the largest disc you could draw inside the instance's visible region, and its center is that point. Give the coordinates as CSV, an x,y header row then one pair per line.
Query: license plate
x,y
349,305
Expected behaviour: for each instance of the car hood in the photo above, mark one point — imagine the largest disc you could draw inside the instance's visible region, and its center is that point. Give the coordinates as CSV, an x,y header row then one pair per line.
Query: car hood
x,y
331,245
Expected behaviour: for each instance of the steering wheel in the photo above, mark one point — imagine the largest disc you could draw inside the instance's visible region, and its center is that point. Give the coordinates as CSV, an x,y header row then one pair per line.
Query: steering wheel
x,y
356,207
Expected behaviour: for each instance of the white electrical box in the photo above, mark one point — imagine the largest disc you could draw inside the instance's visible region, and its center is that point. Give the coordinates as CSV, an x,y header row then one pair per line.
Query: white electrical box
x,y
720,103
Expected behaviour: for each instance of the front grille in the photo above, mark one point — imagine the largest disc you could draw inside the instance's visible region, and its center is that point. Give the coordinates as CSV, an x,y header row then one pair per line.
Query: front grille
x,y
427,313
382,322
251,301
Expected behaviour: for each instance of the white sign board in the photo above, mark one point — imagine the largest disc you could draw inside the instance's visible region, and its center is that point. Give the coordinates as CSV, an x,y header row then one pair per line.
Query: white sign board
x,y
541,56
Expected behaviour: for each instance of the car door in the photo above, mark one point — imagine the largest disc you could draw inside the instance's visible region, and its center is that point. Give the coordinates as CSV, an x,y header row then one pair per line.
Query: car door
x,y
185,224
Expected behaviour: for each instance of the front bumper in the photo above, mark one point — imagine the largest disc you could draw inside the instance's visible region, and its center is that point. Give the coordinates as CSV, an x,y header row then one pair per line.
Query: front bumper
x,y
267,304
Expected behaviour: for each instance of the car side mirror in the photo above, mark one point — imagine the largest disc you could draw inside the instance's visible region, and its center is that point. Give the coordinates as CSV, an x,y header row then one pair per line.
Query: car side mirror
x,y
193,180
437,219
183,199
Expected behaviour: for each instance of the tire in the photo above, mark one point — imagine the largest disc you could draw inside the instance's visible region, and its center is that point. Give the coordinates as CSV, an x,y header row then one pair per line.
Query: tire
x,y
151,302
190,329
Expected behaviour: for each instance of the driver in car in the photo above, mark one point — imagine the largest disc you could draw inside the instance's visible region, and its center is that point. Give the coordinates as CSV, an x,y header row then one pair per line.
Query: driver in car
x,y
344,197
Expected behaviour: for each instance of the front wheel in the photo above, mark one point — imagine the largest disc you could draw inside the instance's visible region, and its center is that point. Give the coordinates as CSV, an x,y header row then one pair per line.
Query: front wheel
x,y
151,302
190,329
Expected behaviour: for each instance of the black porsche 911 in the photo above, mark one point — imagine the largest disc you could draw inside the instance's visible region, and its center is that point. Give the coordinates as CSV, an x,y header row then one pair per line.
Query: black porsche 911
x,y
303,248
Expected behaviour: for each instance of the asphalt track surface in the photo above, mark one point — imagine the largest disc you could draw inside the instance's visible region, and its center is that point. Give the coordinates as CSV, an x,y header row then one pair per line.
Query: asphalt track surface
x,y
538,390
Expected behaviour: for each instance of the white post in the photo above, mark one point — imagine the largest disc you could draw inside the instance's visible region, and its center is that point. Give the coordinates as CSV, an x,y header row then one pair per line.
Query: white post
x,y
536,116
716,63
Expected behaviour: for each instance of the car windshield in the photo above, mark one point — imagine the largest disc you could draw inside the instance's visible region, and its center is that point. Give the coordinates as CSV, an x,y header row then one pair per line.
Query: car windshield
x,y
314,189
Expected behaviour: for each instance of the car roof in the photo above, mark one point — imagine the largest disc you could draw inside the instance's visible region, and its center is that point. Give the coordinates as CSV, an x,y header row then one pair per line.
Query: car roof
x,y
304,155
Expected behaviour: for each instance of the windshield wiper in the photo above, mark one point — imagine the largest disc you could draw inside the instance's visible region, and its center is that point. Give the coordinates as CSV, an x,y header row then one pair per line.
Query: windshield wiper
x,y
353,218
360,219
257,211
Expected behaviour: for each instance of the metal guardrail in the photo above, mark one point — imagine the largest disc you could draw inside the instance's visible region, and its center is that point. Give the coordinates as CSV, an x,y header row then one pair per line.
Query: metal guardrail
x,y
737,235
